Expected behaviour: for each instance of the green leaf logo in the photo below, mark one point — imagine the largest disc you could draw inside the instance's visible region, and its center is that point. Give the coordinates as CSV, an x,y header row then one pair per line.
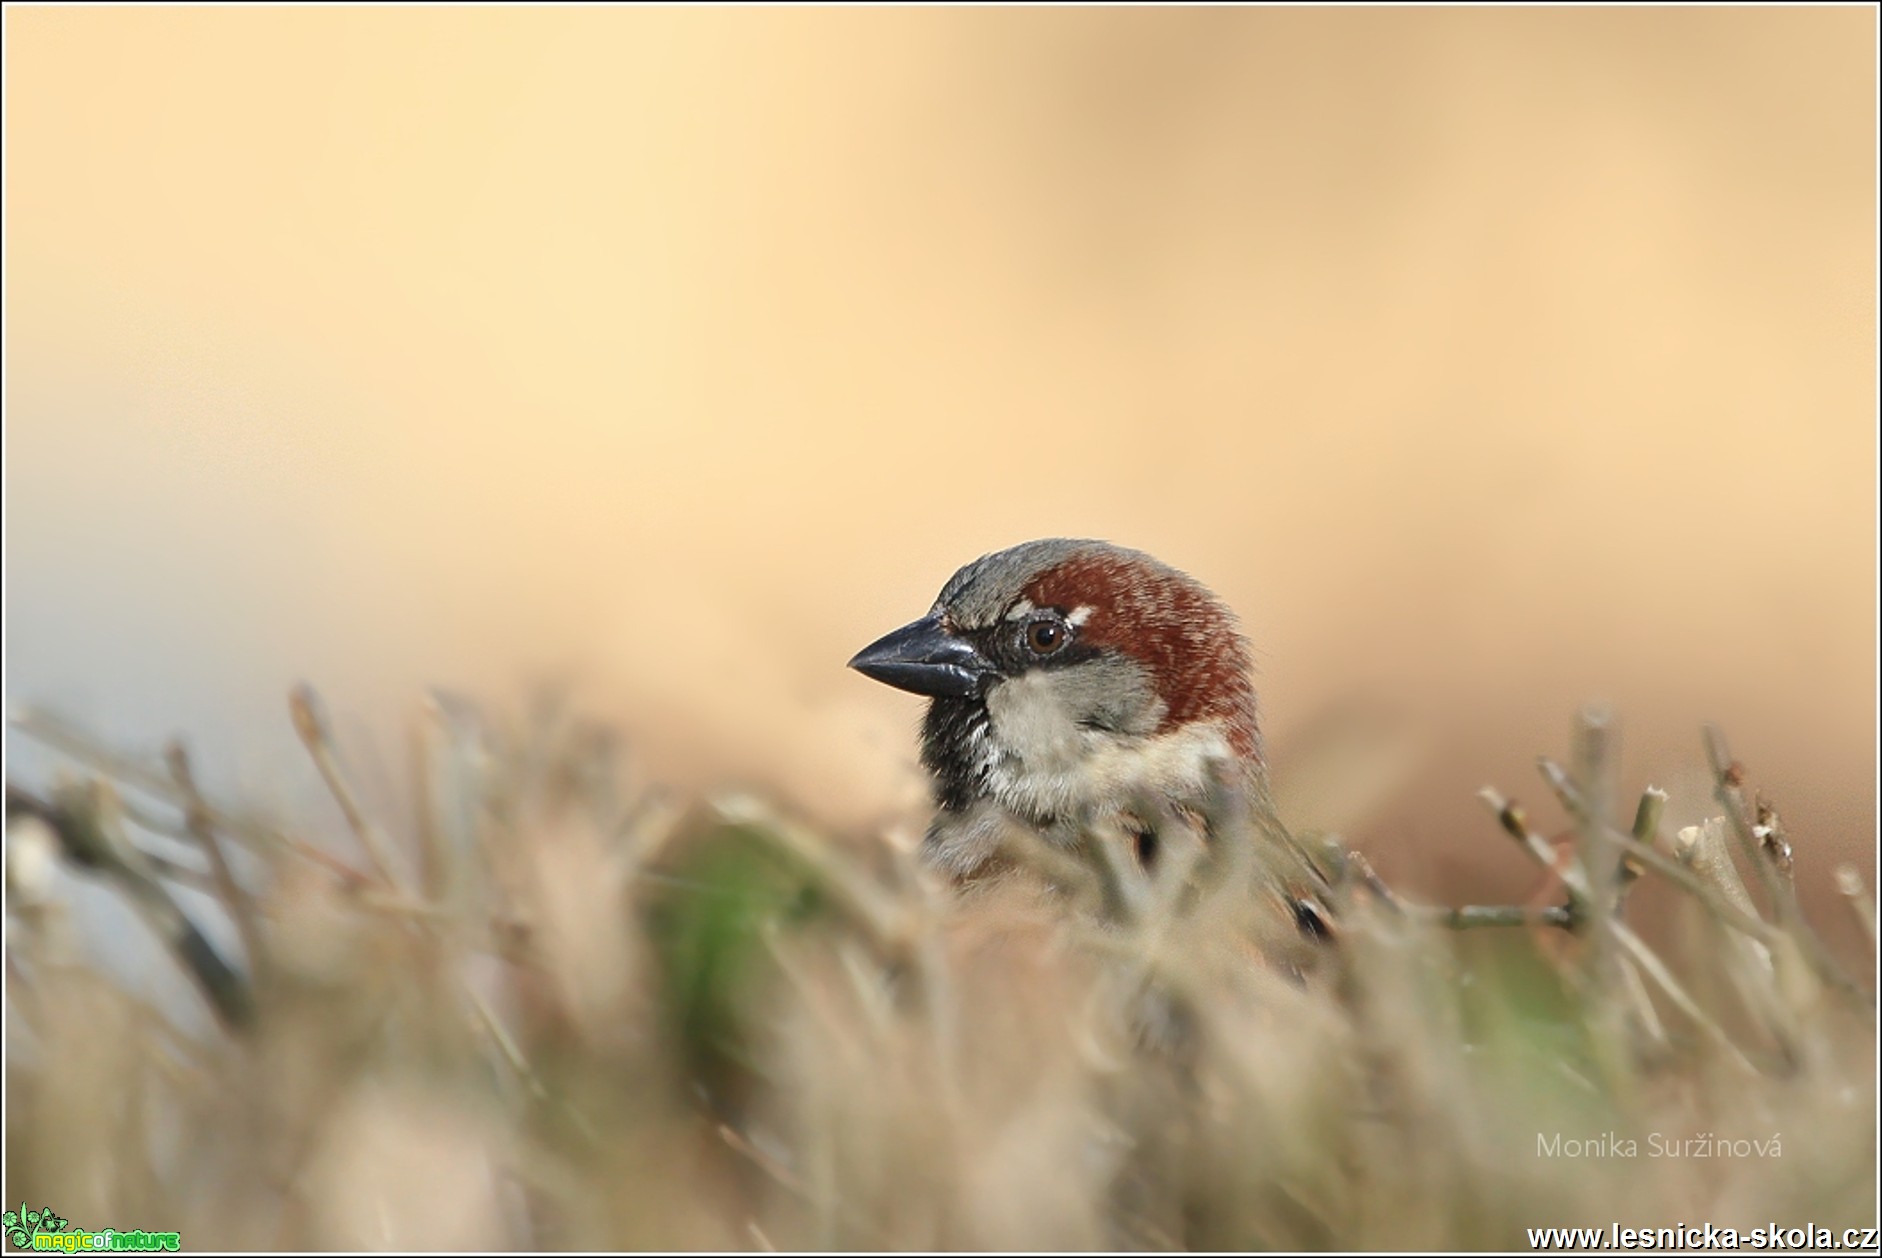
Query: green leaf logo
x,y
25,1223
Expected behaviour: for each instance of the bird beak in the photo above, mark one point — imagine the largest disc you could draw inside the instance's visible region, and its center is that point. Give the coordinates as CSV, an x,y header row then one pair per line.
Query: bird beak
x,y
925,659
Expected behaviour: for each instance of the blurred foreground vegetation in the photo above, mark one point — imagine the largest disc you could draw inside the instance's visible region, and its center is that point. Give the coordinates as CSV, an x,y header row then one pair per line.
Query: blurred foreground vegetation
x,y
559,1010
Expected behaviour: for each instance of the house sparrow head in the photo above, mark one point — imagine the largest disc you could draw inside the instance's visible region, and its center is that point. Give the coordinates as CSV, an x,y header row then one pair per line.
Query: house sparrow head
x,y
1064,678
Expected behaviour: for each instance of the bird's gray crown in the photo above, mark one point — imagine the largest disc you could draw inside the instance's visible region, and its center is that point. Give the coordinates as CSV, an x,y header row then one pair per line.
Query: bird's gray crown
x,y
978,595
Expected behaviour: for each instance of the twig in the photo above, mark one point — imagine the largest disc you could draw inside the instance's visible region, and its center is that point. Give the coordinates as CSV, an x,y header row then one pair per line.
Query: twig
x,y
779,1173
196,817
251,831
1752,966
1513,820
1593,756
507,1045
1726,910
1126,891
1702,848
1647,816
1475,916
1728,787
310,723
435,861
1370,880
1657,971
1849,883
1649,1018
1730,776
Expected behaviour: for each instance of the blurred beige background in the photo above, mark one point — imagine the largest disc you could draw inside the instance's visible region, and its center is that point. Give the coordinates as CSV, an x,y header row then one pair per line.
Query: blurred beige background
x,y
1486,362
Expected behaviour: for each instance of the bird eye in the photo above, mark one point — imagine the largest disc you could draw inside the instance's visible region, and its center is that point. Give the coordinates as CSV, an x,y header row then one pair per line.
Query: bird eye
x,y
1045,636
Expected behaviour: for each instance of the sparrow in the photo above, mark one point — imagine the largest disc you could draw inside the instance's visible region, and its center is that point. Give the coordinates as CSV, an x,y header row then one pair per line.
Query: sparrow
x,y
1068,682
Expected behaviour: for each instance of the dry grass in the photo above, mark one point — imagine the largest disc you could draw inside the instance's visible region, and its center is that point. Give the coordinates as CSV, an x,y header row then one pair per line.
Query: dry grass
x,y
560,1012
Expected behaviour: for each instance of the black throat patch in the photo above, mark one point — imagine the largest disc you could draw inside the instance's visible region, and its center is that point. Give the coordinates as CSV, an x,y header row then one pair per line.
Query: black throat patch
x,y
956,749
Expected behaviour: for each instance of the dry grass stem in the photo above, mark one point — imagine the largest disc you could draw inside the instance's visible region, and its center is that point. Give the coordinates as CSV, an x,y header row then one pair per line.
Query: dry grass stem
x,y
597,1017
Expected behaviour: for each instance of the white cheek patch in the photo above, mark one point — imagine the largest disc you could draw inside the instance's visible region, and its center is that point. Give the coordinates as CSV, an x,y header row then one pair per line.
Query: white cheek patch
x,y
1020,610
1079,616
1030,721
